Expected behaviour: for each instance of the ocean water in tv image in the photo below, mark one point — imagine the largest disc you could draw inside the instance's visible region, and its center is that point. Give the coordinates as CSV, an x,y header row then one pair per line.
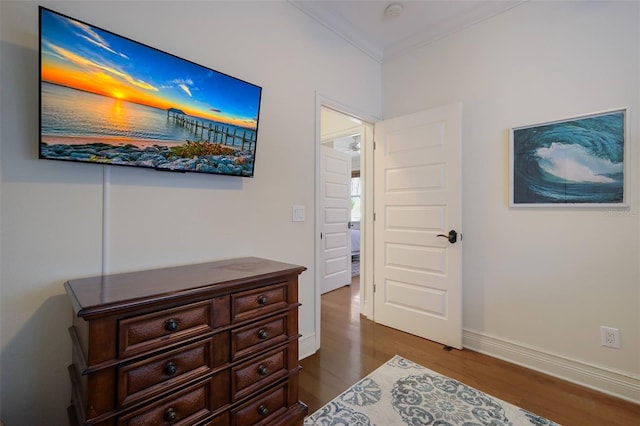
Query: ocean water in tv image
x,y
82,126
572,162
75,113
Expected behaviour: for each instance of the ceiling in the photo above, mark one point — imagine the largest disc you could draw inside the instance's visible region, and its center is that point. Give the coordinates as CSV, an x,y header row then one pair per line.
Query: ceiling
x,y
365,25
342,133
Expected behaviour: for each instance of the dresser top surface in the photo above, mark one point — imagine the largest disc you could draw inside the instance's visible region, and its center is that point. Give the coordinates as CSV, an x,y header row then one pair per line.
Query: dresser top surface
x,y
108,292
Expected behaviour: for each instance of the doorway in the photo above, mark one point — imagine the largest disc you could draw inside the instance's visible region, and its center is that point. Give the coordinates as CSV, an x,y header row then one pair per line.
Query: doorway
x,y
348,133
427,145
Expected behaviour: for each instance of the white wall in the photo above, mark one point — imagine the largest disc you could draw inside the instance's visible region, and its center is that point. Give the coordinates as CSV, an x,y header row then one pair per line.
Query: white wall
x,y
51,215
539,281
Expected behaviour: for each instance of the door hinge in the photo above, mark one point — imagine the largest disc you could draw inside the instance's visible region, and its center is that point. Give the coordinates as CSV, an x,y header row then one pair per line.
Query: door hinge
x,y
374,217
374,145
374,288
321,235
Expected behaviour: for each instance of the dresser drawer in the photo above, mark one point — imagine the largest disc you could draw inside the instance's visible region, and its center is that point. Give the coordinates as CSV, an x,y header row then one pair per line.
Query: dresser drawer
x,y
254,375
220,420
148,378
255,337
182,408
254,303
159,329
262,409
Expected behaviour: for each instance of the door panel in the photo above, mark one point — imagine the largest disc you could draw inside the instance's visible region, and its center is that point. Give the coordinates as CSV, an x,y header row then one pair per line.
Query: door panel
x,y
417,180
335,183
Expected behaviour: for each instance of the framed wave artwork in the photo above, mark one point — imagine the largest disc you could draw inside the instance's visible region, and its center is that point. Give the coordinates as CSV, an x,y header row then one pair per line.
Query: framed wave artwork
x,y
575,162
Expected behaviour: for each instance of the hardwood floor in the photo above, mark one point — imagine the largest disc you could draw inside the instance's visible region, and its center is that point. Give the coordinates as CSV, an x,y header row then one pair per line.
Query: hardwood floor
x,y
353,347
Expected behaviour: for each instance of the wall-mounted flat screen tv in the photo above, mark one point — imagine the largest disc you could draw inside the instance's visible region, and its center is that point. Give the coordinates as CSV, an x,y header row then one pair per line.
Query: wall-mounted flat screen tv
x,y
106,99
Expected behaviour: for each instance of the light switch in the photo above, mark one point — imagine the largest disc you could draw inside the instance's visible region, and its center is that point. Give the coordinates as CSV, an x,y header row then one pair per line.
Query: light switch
x,y
298,214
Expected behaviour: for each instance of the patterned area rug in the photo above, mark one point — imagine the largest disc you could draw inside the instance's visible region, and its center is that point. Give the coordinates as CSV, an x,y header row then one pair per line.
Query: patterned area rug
x,y
402,392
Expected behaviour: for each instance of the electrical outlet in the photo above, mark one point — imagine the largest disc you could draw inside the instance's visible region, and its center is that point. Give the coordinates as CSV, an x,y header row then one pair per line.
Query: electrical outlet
x,y
610,337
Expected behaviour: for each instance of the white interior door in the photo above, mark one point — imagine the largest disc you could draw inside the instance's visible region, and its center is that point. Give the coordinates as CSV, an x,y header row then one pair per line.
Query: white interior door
x,y
335,194
417,184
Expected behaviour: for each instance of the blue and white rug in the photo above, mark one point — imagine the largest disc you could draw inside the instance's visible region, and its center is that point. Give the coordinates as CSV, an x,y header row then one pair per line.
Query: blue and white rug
x,y
402,392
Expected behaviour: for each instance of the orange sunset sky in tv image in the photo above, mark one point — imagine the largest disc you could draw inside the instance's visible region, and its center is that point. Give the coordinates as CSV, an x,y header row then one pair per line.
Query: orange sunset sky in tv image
x,y
86,58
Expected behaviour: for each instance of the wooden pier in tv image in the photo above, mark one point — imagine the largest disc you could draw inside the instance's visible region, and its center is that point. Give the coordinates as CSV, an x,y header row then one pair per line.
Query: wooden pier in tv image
x,y
214,133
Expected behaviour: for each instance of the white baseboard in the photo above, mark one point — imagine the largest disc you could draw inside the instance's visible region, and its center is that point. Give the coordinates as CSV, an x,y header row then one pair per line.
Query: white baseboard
x,y
307,346
616,383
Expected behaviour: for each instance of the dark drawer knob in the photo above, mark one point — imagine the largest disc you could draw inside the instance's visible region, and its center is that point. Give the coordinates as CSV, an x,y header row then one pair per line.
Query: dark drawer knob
x,y
170,415
262,334
171,325
262,300
262,370
263,411
170,369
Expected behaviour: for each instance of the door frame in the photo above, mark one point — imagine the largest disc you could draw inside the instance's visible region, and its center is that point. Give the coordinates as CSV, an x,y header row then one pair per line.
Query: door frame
x,y
366,225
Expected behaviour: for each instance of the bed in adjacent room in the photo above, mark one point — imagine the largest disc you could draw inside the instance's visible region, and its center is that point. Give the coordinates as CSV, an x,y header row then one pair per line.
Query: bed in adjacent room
x,y
355,242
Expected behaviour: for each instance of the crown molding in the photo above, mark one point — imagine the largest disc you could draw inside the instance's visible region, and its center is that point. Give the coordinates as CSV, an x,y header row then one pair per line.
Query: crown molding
x,y
340,27
481,11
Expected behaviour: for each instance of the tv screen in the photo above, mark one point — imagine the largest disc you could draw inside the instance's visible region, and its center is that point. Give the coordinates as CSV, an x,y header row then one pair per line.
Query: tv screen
x,y
106,99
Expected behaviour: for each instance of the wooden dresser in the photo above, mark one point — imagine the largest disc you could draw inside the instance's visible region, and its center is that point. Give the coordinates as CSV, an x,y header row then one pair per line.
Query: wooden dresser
x,y
207,344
